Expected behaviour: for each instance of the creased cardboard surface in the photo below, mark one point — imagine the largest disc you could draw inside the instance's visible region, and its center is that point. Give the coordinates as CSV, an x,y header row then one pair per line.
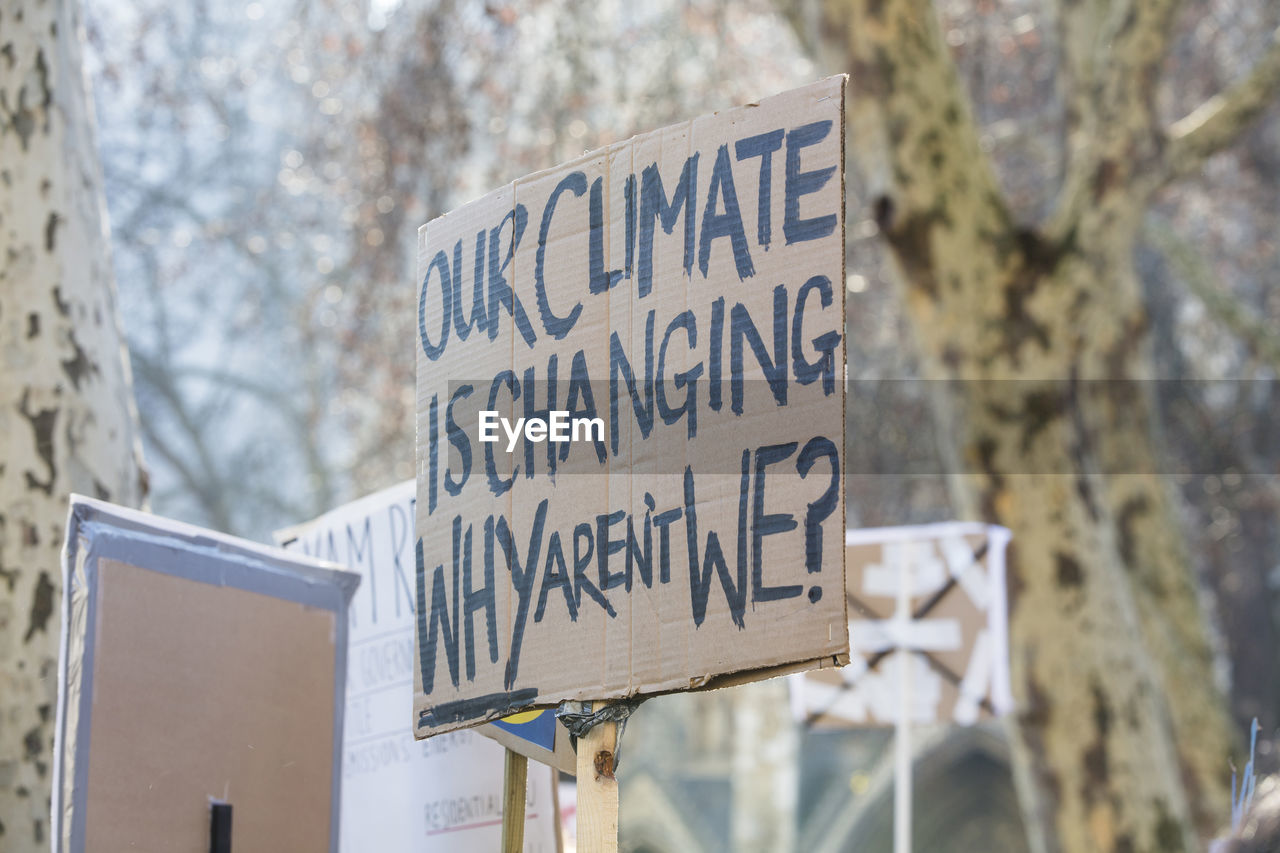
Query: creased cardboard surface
x,y
686,288
203,691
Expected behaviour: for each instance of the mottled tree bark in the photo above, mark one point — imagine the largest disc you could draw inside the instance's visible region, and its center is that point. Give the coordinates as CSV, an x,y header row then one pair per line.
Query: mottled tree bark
x,y
1039,337
66,408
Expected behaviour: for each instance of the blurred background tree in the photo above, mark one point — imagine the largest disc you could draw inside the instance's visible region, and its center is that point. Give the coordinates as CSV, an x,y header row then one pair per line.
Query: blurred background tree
x,y
67,418
1032,198
1035,326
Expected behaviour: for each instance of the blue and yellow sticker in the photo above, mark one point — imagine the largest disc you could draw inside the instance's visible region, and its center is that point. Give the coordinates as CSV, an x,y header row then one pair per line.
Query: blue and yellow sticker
x,y
537,727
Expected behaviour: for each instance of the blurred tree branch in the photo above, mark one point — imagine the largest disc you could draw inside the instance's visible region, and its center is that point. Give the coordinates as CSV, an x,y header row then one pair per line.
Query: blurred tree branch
x,y
1218,122
1112,54
1260,336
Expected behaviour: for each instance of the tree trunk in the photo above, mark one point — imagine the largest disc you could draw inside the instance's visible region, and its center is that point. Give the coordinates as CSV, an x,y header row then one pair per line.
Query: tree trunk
x,y
1038,339
1027,336
66,407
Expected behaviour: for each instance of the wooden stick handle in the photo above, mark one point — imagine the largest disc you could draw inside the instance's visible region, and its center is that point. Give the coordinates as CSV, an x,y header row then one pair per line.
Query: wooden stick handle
x,y
598,790
513,795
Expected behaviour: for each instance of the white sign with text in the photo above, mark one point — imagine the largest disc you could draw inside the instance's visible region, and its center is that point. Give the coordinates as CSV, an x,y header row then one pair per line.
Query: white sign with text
x,y
399,794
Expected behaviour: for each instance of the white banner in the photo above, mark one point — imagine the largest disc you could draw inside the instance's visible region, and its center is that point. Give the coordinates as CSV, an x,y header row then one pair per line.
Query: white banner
x,y
400,795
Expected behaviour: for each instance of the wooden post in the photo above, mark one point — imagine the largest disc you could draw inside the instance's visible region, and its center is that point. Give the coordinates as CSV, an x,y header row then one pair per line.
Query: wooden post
x,y
513,796
597,789
902,792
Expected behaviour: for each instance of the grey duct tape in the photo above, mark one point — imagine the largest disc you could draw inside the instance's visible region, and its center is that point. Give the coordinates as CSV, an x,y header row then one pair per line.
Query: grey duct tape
x,y
579,719
97,530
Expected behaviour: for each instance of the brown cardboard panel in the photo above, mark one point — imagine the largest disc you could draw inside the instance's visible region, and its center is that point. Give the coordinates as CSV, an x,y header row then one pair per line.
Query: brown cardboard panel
x,y
685,287
195,667
204,692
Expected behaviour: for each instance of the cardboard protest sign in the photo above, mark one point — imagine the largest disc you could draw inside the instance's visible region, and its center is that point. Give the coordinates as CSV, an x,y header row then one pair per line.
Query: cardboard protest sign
x,y
630,419
398,795
958,629
195,668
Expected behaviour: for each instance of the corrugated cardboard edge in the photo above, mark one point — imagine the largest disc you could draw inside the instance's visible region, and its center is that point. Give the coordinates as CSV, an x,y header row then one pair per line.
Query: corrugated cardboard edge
x,y
124,533
604,149
844,345
695,683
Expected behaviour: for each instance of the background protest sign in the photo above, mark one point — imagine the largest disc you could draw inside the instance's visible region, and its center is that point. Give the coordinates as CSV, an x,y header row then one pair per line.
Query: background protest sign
x,y
679,298
195,667
960,669
374,537
397,794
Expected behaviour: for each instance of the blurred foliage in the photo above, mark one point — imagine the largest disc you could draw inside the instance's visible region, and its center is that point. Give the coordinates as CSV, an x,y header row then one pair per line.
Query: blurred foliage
x,y
267,167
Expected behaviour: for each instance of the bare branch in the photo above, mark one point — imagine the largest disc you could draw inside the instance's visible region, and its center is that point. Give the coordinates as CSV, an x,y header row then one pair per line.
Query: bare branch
x,y
1258,335
907,106
1112,54
1078,26
803,18
1216,123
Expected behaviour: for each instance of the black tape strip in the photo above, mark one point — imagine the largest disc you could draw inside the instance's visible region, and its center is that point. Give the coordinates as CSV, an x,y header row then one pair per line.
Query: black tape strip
x,y
220,828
